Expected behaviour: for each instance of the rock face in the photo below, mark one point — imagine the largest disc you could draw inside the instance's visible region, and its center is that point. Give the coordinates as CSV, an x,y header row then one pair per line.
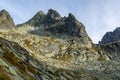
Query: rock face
x,y
110,37
52,24
6,21
42,19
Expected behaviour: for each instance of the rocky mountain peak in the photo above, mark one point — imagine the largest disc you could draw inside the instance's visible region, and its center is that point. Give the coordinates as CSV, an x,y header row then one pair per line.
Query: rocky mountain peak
x,y
42,19
37,20
61,27
53,14
71,17
112,36
4,12
41,13
117,29
52,17
6,22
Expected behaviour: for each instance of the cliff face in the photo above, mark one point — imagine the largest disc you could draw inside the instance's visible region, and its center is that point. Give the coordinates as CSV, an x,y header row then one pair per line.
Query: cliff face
x,y
52,24
60,49
41,18
6,21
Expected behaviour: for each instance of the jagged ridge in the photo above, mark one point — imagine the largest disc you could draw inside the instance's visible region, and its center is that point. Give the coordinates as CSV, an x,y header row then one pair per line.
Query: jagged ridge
x,y
52,24
111,37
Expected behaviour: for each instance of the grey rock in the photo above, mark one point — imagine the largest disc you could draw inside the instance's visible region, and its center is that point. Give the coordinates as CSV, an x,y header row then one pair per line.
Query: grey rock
x,y
110,37
52,24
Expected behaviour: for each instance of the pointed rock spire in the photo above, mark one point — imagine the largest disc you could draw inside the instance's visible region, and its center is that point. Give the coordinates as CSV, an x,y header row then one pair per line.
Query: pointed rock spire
x,y
71,17
41,13
53,14
37,20
44,19
52,17
6,22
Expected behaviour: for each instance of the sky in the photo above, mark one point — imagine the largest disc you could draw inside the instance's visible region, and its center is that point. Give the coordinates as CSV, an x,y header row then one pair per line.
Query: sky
x,y
98,16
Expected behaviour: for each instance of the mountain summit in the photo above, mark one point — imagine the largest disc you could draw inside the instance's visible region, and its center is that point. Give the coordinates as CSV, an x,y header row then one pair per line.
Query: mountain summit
x,y
6,22
52,24
110,37
41,18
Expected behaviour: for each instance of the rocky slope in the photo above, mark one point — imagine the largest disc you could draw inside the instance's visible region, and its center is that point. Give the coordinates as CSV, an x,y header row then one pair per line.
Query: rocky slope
x,y
54,58
6,22
17,64
110,37
100,62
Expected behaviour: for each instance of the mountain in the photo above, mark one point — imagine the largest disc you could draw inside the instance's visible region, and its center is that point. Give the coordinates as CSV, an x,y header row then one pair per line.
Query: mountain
x,y
6,22
44,20
60,49
111,37
52,24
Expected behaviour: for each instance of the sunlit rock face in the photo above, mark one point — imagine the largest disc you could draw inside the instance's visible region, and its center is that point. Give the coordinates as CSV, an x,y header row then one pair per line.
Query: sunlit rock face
x,y
6,22
17,64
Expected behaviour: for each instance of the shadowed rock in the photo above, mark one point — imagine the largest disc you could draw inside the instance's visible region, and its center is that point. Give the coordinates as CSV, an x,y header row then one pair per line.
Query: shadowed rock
x,y
52,24
110,37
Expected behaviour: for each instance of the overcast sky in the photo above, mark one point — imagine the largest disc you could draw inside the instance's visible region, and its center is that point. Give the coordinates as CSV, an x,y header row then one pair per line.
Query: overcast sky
x,y
99,16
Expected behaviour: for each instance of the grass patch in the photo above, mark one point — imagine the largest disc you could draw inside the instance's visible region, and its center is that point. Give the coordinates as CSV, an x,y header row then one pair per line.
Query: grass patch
x,y
102,58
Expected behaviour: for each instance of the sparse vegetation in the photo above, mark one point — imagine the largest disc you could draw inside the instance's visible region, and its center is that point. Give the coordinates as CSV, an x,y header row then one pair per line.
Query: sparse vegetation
x,y
95,49
102,58
27,42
